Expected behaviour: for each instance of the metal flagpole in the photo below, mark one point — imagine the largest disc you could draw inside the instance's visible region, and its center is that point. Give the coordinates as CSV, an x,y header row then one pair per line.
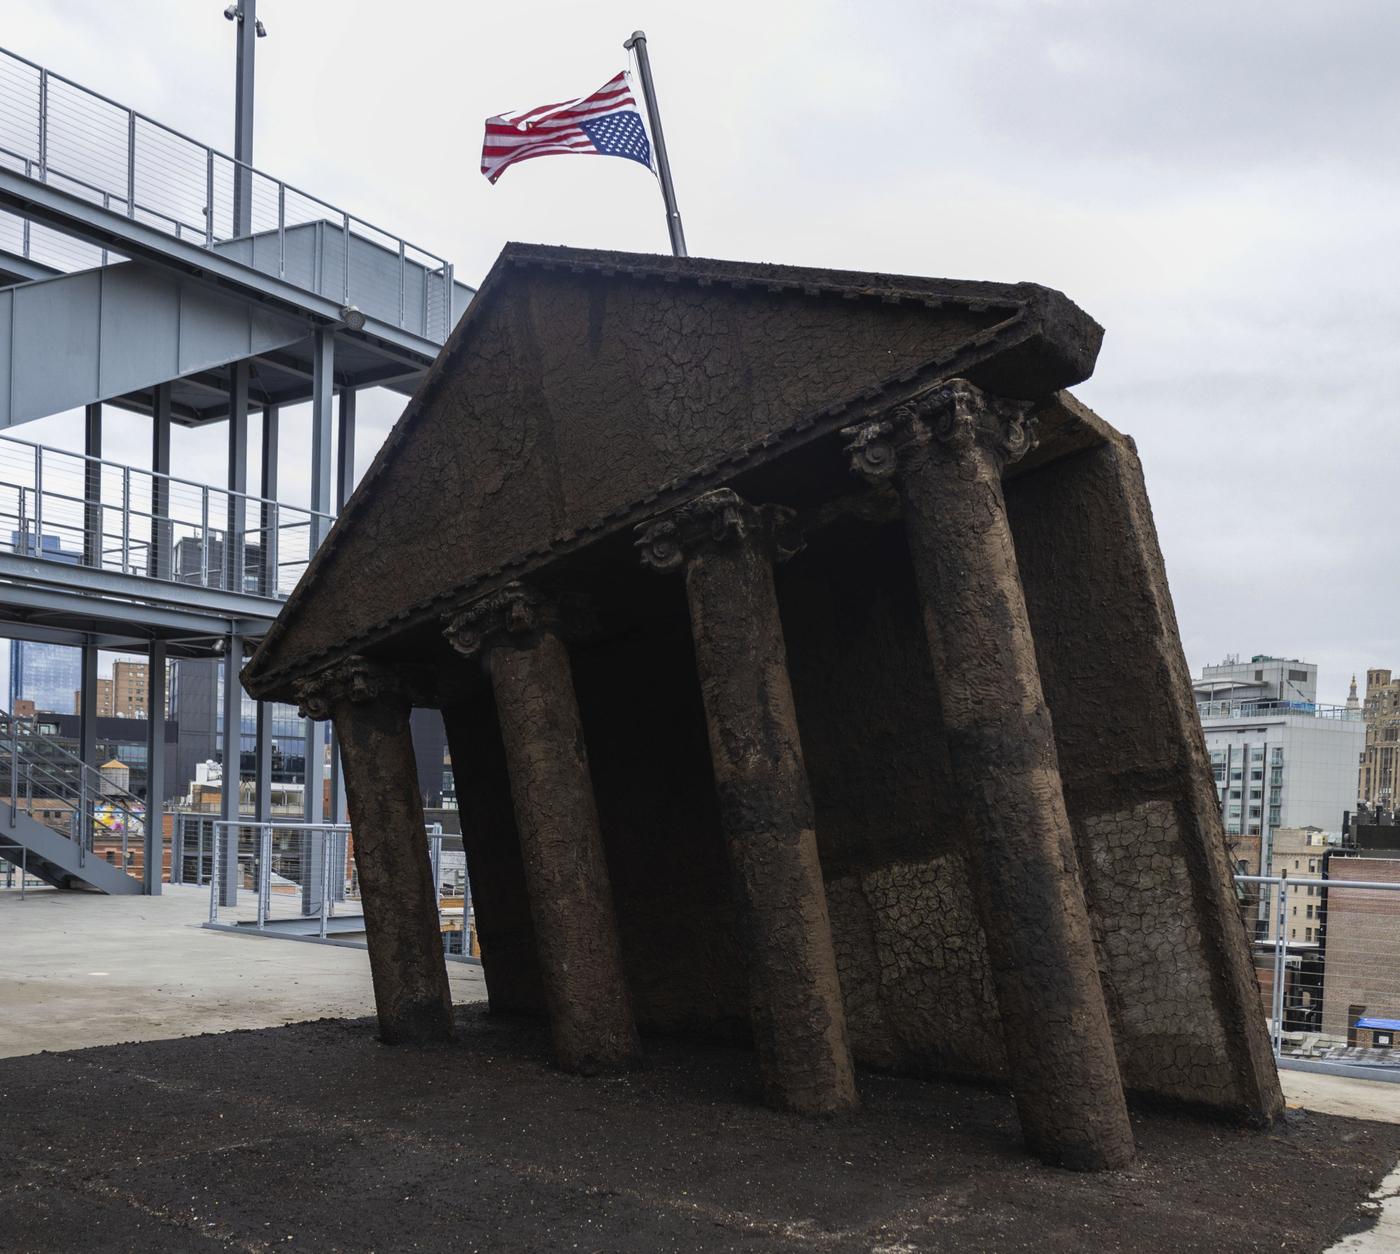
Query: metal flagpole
x,y
638,44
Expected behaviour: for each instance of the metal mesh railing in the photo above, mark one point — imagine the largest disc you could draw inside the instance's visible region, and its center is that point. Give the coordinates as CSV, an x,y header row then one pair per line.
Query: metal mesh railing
x,y
62,134
300,879
82,511
1327,957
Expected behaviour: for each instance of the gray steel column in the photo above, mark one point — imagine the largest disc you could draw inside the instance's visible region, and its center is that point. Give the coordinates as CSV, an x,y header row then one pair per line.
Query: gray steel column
x,y
345,450
237,475
153,852
87,739
314,800
92,490
247,23
227,845
262,771
267,488
322,396
159,560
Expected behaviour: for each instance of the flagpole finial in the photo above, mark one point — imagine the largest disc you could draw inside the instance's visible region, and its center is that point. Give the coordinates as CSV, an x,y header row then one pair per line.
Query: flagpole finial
x,y
636,35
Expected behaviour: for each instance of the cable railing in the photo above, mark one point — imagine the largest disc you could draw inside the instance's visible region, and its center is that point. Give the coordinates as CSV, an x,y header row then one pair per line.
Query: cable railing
x,y
53,786
78,510
1269,709
64,135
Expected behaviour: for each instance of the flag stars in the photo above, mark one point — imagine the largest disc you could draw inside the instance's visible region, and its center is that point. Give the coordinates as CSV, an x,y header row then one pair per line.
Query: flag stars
x,y
619,135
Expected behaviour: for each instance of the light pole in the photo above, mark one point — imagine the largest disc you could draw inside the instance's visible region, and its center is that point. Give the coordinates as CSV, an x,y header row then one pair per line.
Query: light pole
x,y
250,30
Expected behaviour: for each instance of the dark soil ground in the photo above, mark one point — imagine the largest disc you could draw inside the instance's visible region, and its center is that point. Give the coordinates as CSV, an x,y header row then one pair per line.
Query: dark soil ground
x,y
316,1137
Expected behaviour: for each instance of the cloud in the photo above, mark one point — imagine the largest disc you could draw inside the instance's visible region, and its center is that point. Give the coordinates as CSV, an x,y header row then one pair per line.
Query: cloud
x,y
1216,183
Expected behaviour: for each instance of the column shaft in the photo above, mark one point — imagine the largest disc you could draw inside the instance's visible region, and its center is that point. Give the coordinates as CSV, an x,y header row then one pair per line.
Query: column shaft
x,y
796,1008
566,876
1059,1045
396,884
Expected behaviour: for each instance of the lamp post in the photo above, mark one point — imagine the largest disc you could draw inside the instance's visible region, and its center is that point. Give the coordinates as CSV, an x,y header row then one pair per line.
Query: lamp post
x,y
250,30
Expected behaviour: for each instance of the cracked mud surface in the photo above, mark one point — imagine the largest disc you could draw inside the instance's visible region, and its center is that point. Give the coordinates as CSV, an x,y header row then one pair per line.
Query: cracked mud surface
x,y
317,1137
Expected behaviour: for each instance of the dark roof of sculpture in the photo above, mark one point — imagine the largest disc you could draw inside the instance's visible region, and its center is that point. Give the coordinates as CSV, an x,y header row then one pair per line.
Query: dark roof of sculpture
x,y
584,390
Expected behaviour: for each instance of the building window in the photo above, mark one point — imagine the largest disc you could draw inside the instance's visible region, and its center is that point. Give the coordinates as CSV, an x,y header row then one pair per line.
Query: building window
x,y
1310,910
1254,812
1301,676
1234,794
1312,865
1256,755
1277,757
1234,812
1274,816
1307,933
1236,774
1256,794
1256,776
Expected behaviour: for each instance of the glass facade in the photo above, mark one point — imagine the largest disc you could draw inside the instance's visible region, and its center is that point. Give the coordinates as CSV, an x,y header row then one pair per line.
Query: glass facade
x,y
46,674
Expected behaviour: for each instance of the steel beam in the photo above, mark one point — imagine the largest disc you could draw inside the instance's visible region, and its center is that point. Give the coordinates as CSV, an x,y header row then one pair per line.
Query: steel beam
x,y
134,588
71,215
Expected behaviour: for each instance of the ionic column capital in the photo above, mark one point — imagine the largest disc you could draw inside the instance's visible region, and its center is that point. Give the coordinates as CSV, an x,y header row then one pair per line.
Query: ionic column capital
x,y
355,679
714,520
950,420
513,615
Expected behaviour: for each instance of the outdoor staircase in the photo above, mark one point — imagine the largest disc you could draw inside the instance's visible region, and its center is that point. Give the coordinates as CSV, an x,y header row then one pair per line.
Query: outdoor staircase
x,y
61,820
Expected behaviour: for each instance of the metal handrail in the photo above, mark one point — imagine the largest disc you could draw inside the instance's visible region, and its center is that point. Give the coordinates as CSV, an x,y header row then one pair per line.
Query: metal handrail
x,y
154,512
209,148
246,177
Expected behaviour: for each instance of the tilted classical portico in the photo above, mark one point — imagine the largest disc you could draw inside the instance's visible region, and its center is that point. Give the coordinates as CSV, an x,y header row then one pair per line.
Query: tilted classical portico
x,y
893,768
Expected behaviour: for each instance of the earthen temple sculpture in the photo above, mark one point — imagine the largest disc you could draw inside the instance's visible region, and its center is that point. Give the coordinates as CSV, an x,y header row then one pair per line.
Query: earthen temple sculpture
x,y
809,673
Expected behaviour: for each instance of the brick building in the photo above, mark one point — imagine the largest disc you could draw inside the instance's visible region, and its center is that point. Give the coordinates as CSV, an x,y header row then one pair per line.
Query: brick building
x,y
1363,944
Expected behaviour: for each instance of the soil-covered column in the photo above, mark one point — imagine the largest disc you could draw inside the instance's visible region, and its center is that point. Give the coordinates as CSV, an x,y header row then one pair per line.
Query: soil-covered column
x,y
370,708
945,452
566,876
727,549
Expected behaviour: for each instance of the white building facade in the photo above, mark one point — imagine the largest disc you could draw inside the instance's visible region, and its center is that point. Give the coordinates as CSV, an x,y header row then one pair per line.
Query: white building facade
x,y
1278,763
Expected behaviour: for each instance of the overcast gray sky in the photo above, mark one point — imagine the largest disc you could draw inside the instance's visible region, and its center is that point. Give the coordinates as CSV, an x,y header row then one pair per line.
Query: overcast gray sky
x,y
1214,182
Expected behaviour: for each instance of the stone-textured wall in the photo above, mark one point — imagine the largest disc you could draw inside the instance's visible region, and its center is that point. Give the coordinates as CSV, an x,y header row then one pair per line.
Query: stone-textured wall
x,y
910,950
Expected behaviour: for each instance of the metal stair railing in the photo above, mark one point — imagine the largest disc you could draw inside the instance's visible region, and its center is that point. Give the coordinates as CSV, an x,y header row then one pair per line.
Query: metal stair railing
x,y
53,786
62,134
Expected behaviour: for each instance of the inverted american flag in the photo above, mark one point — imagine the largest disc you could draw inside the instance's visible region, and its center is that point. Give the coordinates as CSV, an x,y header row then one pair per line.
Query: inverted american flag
x,y
605,124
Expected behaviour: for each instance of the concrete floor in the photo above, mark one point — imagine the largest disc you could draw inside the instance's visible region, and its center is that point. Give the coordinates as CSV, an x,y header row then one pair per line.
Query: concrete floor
x,y
83,969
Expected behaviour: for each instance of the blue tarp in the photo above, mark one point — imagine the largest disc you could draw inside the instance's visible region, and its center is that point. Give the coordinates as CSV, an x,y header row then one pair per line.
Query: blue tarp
x,y
1385,1025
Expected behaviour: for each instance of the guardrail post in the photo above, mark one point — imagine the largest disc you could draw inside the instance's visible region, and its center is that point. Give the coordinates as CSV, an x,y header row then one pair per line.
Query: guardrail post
x,y
213,880
204,537
126,520
345,276
264,871
209,198
43,126
281,230
325,851
38,502
403,278
1280,968
130,163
